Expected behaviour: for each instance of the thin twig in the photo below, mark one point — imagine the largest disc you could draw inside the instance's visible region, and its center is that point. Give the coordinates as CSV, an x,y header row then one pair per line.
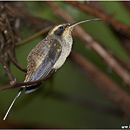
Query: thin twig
x,y
19,84
12,44
93,44
7,69
34,36
10,29
17,65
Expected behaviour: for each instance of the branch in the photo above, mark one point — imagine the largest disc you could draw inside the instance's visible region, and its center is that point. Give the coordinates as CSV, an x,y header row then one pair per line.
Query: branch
x,y
19,84
17,65
104,83
7,69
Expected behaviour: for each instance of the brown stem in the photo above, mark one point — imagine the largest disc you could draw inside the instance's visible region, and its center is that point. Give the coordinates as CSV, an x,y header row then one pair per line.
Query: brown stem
x,y
17,65
19,84
7,69
12,37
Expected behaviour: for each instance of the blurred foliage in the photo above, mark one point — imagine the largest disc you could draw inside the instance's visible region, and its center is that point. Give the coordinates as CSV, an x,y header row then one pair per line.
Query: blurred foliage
x,y
36,108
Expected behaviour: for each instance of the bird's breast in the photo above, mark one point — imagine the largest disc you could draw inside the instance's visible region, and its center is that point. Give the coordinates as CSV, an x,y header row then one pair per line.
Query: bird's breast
x,y
66,49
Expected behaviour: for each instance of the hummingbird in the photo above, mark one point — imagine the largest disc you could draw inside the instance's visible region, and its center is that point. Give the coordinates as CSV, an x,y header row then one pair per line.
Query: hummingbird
x,y
48,55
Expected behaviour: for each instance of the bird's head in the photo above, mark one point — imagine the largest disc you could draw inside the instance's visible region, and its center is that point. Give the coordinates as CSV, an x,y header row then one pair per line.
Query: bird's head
x,y
65,29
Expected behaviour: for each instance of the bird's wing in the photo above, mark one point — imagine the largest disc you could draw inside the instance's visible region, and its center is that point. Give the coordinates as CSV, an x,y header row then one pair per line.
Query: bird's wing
x,y
35,58
48,61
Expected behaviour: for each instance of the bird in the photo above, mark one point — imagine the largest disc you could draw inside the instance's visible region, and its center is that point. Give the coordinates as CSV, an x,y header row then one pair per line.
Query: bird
x,y
48,56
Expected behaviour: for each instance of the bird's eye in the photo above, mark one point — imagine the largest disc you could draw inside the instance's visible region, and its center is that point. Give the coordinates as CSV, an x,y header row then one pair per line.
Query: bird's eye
x,y
61,27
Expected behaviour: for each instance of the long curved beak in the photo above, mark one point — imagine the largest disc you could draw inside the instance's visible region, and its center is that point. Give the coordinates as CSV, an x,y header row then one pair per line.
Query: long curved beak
x,y
79,22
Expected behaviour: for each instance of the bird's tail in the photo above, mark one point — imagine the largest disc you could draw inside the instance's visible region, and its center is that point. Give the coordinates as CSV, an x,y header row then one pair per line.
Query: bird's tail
x,y
21,89
32,88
